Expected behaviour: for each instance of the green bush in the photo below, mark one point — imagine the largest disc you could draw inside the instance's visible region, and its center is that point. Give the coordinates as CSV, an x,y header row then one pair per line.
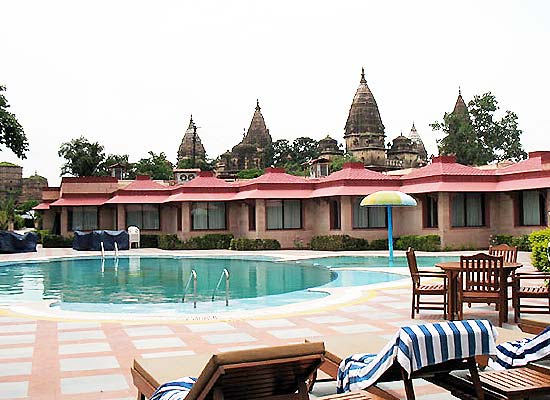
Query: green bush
x,y
338,243
41,233
419,243
149,241
539,242
379,244
522,242
208,242
18,222
254,244
49,241
170,242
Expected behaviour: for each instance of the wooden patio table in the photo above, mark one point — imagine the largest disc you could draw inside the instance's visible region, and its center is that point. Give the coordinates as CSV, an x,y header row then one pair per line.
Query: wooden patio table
x,y
452,270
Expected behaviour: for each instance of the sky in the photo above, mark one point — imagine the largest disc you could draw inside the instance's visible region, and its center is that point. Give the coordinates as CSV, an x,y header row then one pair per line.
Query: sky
x,y
128,74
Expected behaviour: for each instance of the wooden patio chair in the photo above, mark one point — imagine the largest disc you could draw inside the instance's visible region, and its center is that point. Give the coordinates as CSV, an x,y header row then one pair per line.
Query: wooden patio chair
x,y
521,291
508,253
271,373
431,289
482,280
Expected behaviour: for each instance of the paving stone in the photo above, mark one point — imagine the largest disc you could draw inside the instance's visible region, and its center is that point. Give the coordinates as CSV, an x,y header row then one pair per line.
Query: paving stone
x,y
93,384
13,390
88,363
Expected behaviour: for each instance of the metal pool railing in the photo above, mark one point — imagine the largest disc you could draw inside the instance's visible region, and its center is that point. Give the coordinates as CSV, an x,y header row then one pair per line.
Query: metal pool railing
x,y
225,273
192,277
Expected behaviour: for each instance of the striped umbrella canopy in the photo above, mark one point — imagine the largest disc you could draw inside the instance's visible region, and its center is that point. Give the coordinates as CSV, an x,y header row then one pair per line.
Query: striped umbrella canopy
x,y
389,199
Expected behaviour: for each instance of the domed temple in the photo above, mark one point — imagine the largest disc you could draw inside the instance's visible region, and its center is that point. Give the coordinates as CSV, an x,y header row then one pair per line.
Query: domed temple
x,y
328,148
364,134
251,152
191,145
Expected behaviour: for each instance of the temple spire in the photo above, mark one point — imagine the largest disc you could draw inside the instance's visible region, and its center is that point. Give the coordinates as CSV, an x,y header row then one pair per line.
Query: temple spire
x,y
459,91
258,105
363,80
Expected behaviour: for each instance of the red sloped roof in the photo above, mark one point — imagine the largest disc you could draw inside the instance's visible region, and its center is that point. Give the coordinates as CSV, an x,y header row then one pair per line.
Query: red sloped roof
x,y
202,196
206,179
138,198
355,190
144,183
276,175
446,165
83,200
42,206
438,186
273,194
529,165
357,171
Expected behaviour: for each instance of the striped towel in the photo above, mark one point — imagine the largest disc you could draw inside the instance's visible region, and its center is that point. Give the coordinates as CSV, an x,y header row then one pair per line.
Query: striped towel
x,y
417,346
175,390
521,352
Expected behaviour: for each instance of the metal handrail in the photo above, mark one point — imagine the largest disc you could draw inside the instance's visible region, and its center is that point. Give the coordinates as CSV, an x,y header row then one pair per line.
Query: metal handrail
x,y
225,273
116,250
193,276
102,251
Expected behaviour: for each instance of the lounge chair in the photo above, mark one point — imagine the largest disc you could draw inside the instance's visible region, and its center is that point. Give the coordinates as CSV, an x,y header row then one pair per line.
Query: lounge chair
x,y
273,373
391,365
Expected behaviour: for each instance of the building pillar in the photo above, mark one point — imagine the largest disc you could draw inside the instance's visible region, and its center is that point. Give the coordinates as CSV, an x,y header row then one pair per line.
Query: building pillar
x,y
444,216
121,217
346,210
64,221
185,219
260,217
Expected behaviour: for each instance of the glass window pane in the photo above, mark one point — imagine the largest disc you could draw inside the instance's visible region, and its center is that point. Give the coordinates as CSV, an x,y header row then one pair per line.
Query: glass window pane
x,y
377,217
531,208
274,214
84,218
133,215
292,214
360,214
216,215
199,216
474,209
457,210
150,216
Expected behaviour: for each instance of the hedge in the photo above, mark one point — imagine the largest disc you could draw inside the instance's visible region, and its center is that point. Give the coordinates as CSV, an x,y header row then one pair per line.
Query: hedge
x,y
148,241
49,241
539,244
206,242
338,243
254,244
419,243
522,242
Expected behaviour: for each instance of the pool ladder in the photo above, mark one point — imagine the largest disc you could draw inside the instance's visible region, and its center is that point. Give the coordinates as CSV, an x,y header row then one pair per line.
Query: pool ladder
x,y
193,278
103,251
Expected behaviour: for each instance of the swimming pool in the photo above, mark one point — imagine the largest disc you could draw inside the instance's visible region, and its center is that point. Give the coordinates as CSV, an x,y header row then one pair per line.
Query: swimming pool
x,y
141,284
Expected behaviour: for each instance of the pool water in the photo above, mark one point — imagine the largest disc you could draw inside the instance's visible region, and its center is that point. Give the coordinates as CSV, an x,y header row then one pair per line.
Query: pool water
x,y
156,284
377,261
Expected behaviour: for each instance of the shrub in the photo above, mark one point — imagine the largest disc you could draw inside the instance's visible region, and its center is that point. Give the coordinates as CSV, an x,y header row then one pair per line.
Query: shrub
x,y
208,242
148,241
338,243
379,244
169,242
49,241
254,244
41,233
539,242
420,243
522,242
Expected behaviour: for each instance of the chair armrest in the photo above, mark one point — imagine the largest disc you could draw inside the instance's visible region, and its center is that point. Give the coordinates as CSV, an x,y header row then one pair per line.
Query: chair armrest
x,y
531,275
431,275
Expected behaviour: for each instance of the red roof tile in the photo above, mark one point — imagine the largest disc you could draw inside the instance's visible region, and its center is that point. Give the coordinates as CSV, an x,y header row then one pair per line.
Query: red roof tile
x,y
143,182
83,200
445,165
357,171
206,179
276,175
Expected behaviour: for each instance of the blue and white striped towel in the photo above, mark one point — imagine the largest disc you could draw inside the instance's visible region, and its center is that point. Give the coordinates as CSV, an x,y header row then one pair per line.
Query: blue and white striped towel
x,y
418,346
175,390
521,352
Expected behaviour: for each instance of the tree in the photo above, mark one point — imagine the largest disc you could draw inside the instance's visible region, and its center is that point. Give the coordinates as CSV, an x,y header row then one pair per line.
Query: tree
x,y
83,158
249,173
104,168
304,149
11,132
338,162
280,152
476,138
204,165
156,166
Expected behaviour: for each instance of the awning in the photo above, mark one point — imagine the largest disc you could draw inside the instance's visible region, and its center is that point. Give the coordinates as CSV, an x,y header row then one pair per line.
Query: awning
x,y
201,197
80,201
42,206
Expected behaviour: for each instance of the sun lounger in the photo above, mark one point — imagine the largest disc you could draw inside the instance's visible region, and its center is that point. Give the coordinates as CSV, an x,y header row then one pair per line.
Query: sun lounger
x,y
277,373
534,323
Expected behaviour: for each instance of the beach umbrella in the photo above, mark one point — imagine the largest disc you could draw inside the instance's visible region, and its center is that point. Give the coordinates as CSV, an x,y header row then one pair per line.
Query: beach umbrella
x,y
389,199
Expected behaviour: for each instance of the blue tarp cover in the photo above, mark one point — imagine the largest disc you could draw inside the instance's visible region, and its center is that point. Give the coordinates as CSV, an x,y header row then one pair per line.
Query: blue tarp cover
x,y
11,242
92,240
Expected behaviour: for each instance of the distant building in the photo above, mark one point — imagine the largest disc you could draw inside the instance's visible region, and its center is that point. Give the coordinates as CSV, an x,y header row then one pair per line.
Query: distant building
x,y
12,184
328,148
364,135
251,152
191,145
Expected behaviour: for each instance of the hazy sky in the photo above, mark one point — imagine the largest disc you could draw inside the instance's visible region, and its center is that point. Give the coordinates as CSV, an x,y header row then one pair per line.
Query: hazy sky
x,y
128,74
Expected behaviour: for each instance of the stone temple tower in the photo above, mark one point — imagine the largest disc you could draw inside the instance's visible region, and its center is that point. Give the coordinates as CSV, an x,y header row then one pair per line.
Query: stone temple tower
x,y
185,150
364,131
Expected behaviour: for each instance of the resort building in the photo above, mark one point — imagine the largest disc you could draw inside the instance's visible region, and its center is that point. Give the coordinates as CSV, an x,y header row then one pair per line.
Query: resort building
x,y
462,204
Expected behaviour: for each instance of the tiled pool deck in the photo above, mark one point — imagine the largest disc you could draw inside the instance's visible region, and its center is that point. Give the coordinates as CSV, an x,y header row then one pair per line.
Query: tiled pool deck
x,y
53,357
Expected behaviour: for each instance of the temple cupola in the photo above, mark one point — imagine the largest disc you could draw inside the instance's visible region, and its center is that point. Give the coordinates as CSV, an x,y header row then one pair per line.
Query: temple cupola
x,y
191,144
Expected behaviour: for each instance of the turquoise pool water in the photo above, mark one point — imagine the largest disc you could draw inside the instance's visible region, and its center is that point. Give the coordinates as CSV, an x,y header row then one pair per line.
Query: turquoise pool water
x,y
377,262
156,284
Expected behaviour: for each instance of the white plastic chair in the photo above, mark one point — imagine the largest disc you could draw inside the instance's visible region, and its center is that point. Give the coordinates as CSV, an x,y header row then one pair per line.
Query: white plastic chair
x,y
133,236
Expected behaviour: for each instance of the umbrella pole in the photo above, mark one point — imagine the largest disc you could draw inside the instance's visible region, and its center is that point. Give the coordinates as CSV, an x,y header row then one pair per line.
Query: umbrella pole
x,y
390,233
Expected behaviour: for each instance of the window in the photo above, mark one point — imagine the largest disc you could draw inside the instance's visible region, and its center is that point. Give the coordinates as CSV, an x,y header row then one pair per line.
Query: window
x,y
368,217
144,216
468,209
284,214
82,218
179,217
251,216
208,215
335,214
532,208
430,211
